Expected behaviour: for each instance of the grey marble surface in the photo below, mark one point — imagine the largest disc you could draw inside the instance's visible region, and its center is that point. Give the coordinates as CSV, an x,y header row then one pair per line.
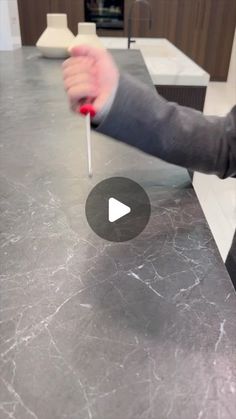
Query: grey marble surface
x,y
91,329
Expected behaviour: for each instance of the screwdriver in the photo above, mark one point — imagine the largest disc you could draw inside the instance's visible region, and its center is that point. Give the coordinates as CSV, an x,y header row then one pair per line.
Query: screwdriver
x,y
89,112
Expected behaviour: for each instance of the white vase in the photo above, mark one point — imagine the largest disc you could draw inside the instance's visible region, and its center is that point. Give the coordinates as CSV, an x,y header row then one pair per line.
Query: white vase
x,y
87,36
56,39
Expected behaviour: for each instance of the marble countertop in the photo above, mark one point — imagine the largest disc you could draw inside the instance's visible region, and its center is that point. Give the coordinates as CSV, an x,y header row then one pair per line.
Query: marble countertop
x,y
167,65
91,329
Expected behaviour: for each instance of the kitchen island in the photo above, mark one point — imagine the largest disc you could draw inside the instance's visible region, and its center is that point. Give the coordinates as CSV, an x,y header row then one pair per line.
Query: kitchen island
x,y
91,329
176,77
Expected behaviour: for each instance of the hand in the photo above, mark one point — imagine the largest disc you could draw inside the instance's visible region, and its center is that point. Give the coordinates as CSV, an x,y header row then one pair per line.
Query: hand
x,y
90,73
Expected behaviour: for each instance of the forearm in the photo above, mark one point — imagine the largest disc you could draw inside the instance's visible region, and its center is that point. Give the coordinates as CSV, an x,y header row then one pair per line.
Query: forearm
x,y
179,135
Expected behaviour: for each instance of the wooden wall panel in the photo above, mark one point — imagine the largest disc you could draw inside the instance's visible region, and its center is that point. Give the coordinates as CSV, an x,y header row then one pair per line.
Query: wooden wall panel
x,y
32,15
220,30
140,27
74,10
202,29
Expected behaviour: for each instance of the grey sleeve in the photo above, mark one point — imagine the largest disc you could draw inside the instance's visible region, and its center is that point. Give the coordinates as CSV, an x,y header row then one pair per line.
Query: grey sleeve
x,y
176,134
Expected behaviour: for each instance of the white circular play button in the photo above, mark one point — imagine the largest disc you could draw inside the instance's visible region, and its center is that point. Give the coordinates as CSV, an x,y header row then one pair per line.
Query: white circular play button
x,y
118,209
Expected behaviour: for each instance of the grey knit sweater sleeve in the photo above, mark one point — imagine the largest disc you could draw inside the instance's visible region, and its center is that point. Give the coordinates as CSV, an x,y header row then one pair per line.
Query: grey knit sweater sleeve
x,y
179,135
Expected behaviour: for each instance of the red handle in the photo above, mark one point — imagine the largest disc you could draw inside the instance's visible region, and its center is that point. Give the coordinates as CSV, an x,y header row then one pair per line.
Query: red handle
x,y
87,108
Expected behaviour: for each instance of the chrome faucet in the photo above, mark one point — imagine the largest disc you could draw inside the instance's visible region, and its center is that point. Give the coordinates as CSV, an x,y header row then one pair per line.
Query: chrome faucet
x,y
146,2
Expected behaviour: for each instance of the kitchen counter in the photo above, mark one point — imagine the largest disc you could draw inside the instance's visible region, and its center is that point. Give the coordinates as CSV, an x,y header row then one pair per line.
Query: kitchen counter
x,y
176,77
91,329
166,64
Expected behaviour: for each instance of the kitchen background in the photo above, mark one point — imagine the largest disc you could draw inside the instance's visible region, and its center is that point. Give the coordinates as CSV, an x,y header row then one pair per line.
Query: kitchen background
x,y
203,29
197,27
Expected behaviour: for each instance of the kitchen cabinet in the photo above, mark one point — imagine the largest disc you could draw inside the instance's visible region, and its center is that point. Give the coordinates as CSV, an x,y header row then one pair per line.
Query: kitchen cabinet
x,y
209,39
140,20
116,33
74,10
214,36
31,28
171,19
202,29
206,34
32,14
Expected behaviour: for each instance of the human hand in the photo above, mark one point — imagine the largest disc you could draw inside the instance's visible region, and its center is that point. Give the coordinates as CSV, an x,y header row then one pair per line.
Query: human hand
x,y
90,73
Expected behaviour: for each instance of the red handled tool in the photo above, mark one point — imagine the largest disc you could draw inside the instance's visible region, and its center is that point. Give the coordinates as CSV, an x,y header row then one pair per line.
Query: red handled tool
x,y
88,110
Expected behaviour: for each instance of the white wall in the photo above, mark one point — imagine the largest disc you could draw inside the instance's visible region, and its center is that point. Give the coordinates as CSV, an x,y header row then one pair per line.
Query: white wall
x,y
9,25
14,21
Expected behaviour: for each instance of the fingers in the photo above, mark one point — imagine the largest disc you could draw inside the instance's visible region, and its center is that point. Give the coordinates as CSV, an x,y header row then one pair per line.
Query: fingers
x,y
77,60
79,79
89,73
87,51
73,67
77,93
80,87
74,71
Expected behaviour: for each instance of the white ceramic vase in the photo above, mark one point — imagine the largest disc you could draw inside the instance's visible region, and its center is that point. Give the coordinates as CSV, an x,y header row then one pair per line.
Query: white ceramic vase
x,y
56,39
87,36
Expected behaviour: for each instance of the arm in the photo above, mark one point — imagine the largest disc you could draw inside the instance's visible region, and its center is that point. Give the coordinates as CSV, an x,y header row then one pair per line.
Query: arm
x,y
136,115
179,135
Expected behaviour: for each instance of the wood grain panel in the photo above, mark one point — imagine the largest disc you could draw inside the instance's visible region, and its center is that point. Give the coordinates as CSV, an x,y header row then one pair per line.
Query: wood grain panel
x,y
219,39
140,23
202,29
190,96
32,15
116,33
74,10
185,21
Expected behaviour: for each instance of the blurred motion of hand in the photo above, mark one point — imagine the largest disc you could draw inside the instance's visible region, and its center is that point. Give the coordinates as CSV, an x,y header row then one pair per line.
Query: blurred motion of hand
x,y
90,73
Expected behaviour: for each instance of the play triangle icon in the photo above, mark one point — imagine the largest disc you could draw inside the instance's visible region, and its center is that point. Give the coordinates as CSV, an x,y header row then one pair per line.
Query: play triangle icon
x,y
117,210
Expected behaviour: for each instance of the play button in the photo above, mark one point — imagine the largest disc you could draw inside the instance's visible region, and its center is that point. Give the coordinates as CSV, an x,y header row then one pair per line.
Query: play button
x,y
118,209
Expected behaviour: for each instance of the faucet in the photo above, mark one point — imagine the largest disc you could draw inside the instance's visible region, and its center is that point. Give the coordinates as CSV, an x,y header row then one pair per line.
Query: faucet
x,y
146,3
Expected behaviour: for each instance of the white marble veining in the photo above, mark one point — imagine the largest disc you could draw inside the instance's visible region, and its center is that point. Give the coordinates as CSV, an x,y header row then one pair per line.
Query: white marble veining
x,y
166,64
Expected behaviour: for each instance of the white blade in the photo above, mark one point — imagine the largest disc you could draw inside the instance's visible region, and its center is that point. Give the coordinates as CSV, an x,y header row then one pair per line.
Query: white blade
x,y
88,139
